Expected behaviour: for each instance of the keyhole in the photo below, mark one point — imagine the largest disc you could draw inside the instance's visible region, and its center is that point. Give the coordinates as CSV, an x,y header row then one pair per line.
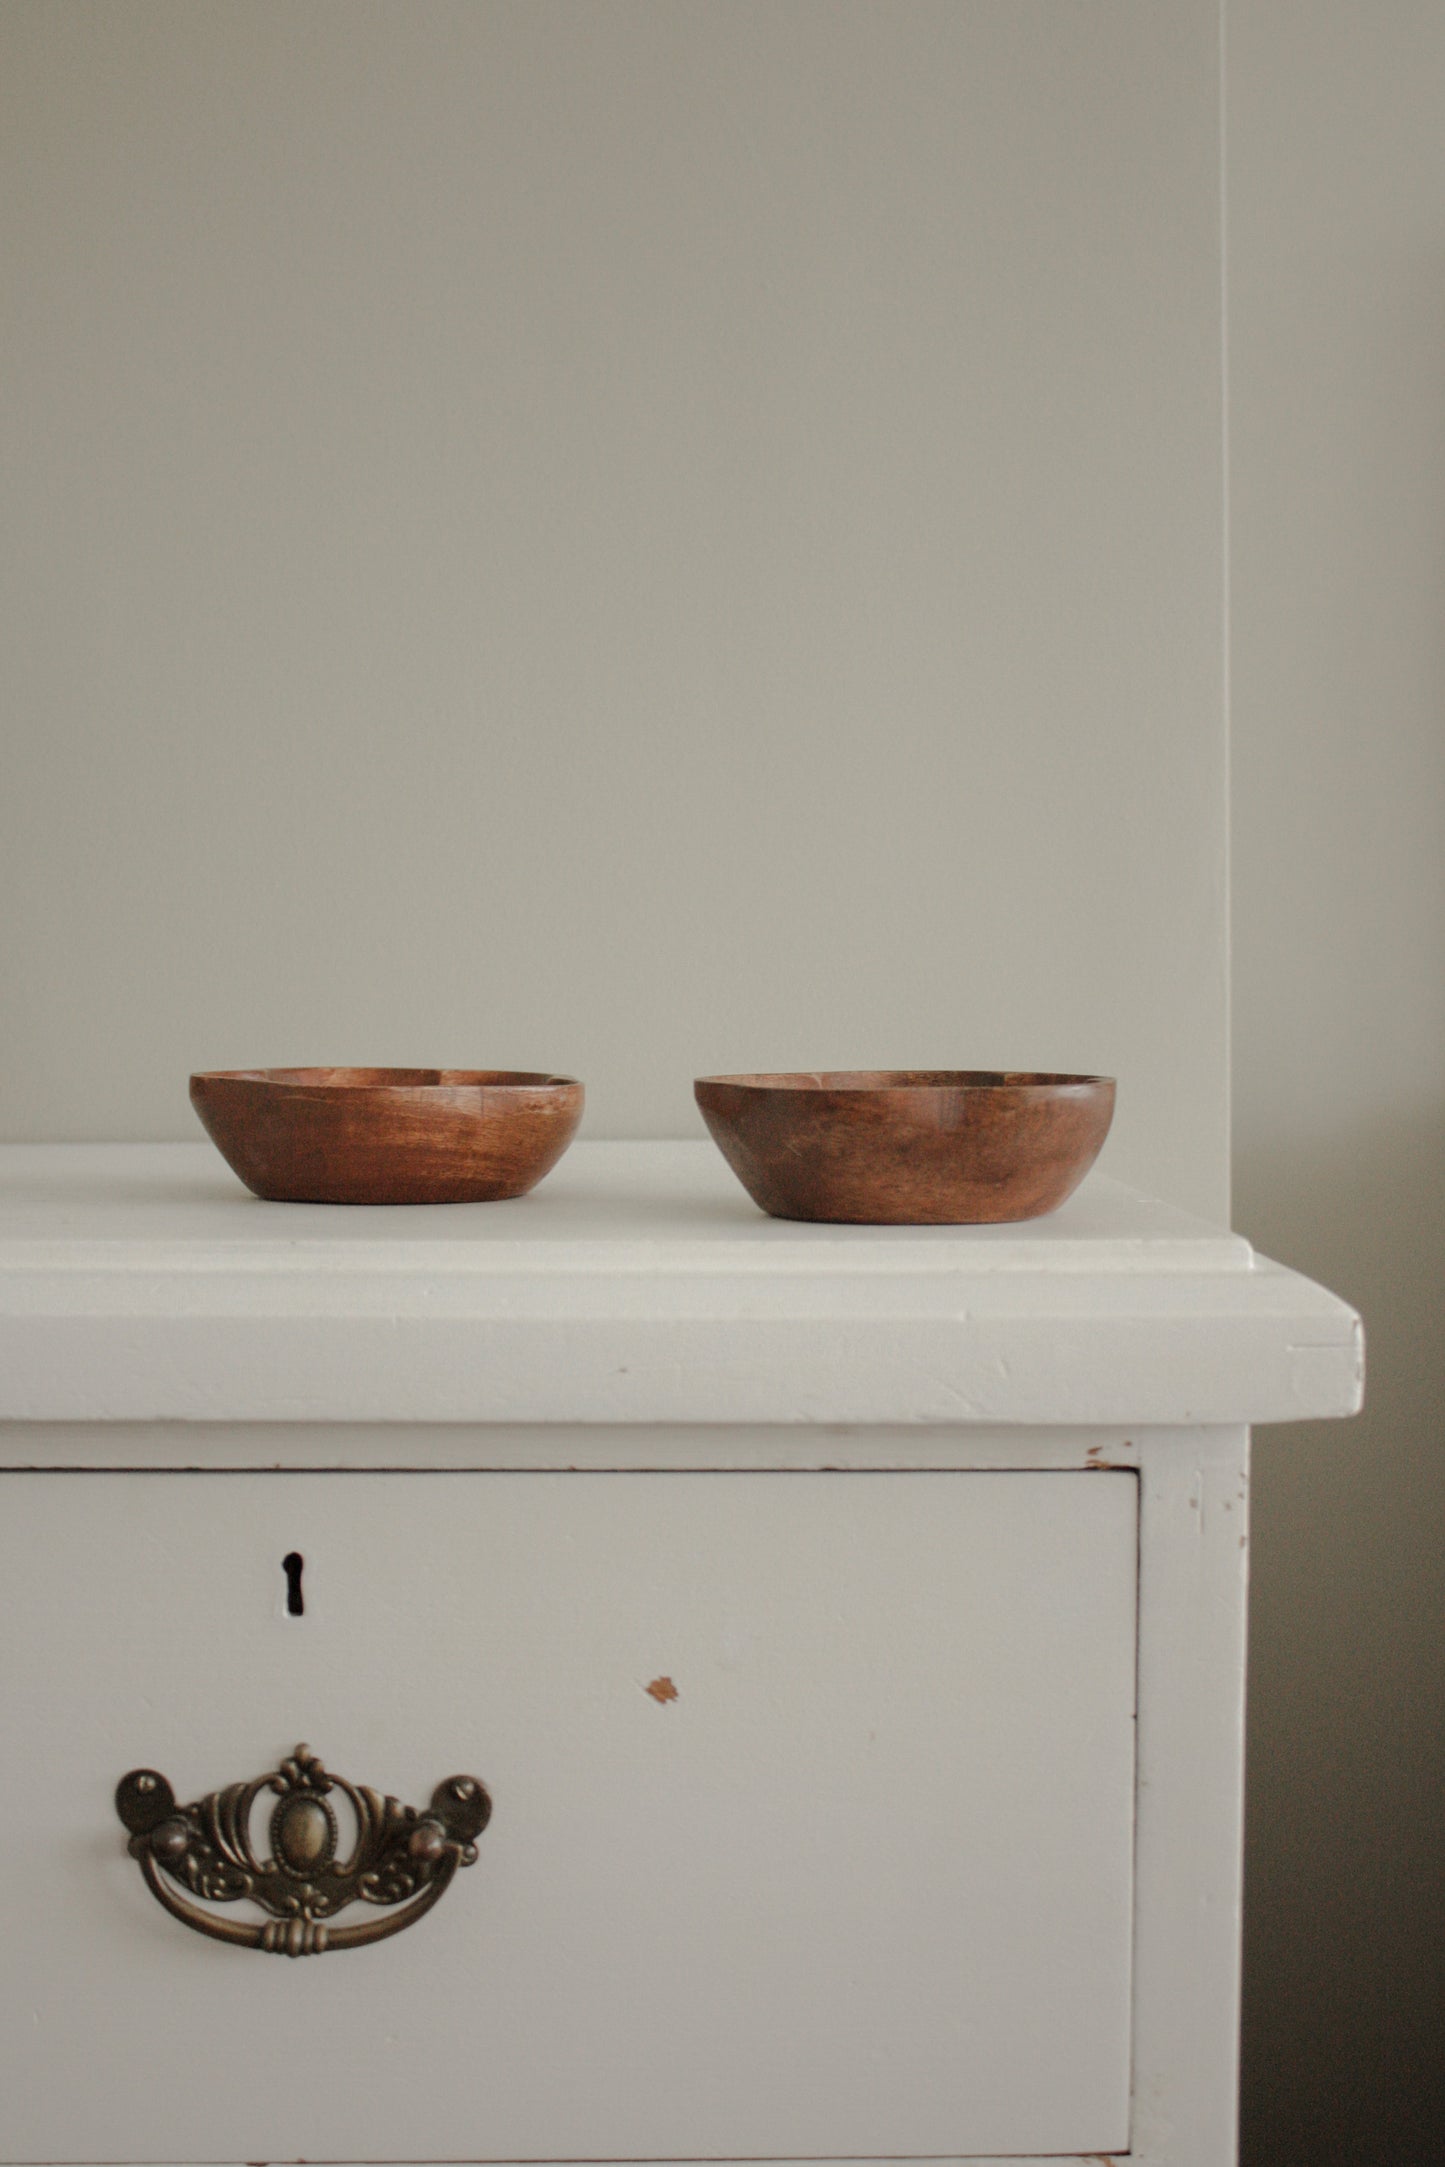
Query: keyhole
x,y
291,1566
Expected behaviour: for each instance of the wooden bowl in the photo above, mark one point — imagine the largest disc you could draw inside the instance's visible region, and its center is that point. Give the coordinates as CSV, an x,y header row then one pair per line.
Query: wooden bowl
x,y
387,1135
908,1147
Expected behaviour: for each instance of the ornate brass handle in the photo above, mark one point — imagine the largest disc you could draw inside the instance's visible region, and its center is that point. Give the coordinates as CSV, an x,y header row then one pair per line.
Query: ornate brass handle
x,y
401,1857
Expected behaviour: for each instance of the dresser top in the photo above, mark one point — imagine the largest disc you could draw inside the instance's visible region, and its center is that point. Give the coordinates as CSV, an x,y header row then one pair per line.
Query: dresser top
x,y
637,1283
618,1206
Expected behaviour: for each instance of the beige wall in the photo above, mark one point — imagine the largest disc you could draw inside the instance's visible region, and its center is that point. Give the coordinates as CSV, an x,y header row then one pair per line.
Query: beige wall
x,y
643,537
1336,131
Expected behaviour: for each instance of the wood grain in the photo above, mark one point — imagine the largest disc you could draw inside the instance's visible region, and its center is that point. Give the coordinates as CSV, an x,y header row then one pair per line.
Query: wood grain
x,y
908,1147
388,1135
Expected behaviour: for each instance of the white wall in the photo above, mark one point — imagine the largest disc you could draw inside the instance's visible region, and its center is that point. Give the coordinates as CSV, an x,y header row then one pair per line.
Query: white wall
x,y
1336,158
645,538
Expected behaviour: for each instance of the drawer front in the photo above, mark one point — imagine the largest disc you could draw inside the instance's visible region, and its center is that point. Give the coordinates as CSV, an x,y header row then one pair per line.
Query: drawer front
x,y
812,1832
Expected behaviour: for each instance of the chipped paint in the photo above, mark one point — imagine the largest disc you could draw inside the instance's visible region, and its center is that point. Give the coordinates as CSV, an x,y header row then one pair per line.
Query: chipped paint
x,y
1094,1457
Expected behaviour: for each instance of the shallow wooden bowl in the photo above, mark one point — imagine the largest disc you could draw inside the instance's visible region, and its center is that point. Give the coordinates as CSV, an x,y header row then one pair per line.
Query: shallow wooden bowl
x,y
908,1147
387,1135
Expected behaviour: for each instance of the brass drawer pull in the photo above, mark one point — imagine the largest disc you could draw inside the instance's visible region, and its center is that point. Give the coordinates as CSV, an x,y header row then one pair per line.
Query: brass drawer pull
x,y
401,1857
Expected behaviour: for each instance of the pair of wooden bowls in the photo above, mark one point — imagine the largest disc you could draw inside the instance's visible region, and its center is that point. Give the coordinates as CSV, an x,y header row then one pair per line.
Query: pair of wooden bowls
x,y
901,1147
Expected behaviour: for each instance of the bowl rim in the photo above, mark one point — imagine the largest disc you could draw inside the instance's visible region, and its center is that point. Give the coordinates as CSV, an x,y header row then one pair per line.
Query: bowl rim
x,y
828,1082
354,1080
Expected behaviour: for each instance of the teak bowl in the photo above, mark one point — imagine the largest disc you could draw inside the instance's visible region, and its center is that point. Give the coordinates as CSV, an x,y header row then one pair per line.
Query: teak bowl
x,y
388,1135
908,1147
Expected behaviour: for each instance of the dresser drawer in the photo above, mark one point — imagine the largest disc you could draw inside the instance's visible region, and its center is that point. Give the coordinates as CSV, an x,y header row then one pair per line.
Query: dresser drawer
x,y
812,1832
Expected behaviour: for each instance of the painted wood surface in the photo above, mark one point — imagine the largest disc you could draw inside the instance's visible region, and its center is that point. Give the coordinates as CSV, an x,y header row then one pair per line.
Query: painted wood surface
x,y
704,1345
638,1284
864,1885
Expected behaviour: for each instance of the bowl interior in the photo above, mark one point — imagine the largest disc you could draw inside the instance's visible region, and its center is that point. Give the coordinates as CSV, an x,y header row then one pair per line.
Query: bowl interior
x,y
403,1079
904,1079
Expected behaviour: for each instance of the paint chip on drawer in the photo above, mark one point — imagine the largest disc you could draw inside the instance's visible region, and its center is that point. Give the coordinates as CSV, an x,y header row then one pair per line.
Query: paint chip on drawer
x,y
662,1689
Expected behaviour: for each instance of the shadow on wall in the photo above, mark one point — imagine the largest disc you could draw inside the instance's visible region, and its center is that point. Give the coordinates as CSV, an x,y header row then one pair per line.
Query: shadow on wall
x,y
1344,2001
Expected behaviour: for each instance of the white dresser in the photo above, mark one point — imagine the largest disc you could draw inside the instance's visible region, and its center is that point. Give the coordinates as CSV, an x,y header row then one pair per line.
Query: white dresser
x,y
846,1623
